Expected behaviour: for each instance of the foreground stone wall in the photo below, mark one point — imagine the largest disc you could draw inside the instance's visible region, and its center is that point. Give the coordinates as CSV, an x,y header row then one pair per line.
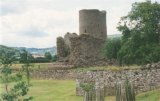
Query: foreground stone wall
x,y
143,80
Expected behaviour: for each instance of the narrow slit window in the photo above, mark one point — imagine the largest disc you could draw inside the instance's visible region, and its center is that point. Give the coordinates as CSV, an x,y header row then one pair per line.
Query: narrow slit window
x,y
85,31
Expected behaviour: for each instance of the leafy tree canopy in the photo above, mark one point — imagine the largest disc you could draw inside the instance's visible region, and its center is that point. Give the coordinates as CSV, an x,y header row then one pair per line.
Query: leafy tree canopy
x,y
141,34
48,55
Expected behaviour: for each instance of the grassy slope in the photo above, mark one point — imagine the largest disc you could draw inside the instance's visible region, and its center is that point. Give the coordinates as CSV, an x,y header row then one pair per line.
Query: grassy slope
x,y
64,90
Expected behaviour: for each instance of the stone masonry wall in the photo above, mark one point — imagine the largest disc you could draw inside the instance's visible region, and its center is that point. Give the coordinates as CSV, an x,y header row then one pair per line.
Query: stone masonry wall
x,y
67,38
54,74
93,23
61,47
85,50
143,80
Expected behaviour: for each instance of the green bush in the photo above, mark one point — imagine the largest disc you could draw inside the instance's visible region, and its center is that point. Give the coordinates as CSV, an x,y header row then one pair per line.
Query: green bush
x,y
39,60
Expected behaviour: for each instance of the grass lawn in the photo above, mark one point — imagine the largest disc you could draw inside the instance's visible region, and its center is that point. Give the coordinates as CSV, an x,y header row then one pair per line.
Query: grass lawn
x,y
53,90
149,96
64,90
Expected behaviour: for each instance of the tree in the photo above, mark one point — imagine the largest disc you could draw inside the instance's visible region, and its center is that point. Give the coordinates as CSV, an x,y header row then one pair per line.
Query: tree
x,y
54,58
19,89
112,47
48,56
25,58
141,34
6,62
89,92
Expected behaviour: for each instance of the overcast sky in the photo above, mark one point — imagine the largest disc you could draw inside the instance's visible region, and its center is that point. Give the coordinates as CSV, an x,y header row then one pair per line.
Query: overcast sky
x,y
37,23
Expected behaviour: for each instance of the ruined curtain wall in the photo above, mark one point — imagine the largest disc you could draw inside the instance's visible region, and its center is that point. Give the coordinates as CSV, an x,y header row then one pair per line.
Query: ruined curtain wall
x,y
85,50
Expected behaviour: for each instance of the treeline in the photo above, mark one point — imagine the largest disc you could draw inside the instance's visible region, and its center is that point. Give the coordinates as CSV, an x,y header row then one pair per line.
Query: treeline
x,y
140,43
47,57
15,84
19,55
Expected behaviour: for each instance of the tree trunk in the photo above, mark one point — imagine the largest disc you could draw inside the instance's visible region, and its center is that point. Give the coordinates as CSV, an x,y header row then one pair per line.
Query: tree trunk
x,y
6,86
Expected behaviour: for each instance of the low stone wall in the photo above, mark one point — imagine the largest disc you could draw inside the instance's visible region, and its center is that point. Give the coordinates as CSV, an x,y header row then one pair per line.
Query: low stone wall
x,y
54,74
143,80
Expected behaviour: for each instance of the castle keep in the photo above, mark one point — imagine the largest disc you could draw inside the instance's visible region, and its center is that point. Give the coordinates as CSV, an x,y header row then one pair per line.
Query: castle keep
x,y
86,48
93,23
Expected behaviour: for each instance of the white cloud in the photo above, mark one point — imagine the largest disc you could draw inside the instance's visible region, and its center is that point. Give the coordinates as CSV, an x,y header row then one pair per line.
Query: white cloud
x,y
39,26
37,23
34,32
10,6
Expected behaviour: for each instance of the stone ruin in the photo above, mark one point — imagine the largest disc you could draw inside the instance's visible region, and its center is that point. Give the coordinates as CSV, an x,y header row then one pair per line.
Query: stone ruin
x,y
86,48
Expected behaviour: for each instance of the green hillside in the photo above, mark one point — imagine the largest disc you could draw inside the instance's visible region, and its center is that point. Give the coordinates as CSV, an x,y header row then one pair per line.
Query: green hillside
x,y
12,51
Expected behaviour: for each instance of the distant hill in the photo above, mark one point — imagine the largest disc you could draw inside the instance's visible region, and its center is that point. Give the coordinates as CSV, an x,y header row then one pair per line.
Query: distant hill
x,y
17,50
9,49
5,48
40,51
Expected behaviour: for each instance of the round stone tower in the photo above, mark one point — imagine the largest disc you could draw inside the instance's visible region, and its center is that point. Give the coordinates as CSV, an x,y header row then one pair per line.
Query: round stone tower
x,y
93,22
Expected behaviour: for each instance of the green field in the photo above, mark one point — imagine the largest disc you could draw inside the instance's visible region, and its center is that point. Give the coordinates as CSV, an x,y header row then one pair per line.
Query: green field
x,y
64,90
